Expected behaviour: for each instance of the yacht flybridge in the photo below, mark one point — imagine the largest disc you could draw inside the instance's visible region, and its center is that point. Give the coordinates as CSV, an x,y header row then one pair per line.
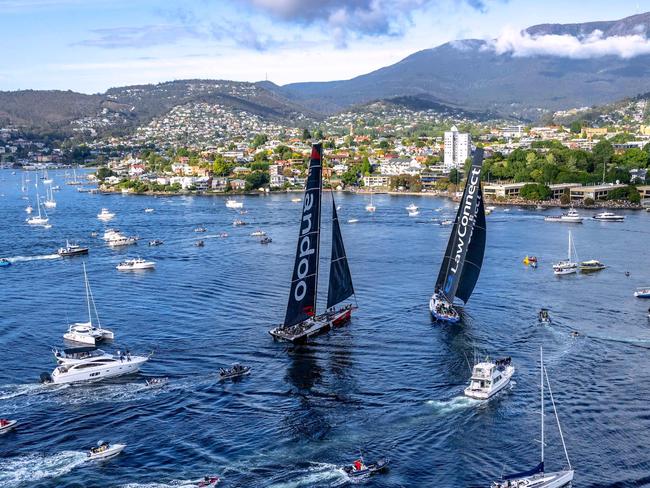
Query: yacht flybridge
x,y
87,332
489,378
463,257
301,320
538,477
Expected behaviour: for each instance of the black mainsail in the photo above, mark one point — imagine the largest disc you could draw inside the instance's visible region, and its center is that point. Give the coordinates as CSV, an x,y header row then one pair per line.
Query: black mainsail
x,y
304,281
463,258
340,280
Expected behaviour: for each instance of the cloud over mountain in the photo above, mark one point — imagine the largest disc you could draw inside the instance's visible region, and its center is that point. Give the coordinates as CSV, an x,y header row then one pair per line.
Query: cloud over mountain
x,y
594,44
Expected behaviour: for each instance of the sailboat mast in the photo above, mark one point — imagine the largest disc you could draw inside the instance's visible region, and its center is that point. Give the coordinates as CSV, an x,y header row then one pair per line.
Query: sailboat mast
x,y
541,383
569,253
557,419
90,317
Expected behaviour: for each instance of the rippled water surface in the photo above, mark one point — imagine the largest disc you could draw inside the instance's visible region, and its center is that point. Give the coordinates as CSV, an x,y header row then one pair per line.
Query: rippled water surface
x,y
389,384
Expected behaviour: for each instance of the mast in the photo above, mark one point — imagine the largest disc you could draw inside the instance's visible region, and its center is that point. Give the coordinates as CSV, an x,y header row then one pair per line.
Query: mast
x,y
541,373
340,279
557,419
304,282
90,317
470,219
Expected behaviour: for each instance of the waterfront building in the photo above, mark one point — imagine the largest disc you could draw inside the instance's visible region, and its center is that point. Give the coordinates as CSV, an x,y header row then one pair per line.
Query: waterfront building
x,y
595,192
376,181
503,190
457,148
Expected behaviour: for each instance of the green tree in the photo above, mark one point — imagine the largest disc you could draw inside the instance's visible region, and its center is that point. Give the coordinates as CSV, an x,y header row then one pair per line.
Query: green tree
x,y
535,191
589,201
259,140
256,179
576,127
306,135
565,198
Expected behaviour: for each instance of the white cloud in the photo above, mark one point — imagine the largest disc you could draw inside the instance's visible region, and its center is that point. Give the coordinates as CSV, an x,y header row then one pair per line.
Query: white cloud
x,y
522,44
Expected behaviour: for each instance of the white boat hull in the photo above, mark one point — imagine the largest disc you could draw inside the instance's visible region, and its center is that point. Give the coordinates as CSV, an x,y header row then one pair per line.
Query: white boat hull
x,y
557,479
37,221
9,427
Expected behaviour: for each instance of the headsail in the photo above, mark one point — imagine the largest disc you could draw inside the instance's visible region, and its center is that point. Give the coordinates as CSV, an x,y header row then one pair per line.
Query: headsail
x,y
463,258
304,281
340,281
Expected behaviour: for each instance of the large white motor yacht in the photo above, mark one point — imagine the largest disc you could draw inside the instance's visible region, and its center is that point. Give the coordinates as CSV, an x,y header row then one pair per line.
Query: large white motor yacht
x,y
609,217
135,264
110,234
571,217
105,214
95,368
121,240
488,378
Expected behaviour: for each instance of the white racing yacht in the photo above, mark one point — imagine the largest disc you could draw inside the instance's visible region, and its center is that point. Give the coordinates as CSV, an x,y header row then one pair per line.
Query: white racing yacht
x,y
49,202
95,368
567,266
538,477
489,378
571,217
87,332
135,265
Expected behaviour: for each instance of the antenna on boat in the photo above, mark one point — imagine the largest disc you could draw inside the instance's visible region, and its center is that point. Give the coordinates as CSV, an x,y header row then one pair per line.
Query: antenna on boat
x,y
90,316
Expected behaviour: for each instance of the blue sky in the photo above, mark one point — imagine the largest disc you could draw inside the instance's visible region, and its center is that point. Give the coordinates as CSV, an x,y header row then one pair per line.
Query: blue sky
x,y
91,45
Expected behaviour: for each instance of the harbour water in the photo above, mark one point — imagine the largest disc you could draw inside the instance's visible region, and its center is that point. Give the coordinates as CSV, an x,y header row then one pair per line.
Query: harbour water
x,y
389,384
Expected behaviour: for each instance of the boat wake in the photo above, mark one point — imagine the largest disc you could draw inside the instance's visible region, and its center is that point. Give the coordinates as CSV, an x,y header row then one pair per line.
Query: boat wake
x,y
319,474
461,402
18,259
169,484
8,392
32,468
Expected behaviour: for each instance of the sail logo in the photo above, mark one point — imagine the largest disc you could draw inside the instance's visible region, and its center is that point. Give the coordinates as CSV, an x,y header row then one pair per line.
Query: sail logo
x,y
305,249
466,218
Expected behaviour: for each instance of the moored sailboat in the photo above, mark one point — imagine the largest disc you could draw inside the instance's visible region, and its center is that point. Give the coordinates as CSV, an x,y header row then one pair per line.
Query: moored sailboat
x,y
463,257
301,320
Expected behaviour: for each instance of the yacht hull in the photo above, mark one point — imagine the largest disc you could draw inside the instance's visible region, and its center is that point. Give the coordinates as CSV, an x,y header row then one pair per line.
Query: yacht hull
x,y
478,394
311,327
100,372
434,307
556,479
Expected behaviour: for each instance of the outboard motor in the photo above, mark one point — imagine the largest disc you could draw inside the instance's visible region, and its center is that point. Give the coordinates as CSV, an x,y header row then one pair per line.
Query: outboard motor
x,y
46,378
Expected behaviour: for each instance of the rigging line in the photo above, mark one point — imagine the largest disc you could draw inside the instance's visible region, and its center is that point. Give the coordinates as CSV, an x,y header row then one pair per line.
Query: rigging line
x,y
559,428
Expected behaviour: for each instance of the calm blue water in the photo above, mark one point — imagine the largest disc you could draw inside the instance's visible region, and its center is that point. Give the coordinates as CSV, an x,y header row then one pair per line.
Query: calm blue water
x,y
389,384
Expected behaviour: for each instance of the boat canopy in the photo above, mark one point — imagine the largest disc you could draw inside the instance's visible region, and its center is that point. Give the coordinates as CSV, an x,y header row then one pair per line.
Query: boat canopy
x,y
79,350
304,281
340,279
463,257
524,474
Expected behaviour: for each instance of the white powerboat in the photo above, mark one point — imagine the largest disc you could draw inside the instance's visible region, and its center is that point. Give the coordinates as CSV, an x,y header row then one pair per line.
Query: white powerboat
x,y
238,222
87,332
104,450
412,208
258,233
232,203
111,234
571,217
567,266
608,217
296,200
148,210
590,266
489,378
538,477
7,425
95,368
642,292
122,241
135,265
105,215
353,221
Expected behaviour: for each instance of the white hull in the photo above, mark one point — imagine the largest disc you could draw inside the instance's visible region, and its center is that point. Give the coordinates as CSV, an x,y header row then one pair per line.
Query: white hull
x,y
565,271
483,394
9,427
127,241
90,338
112,451
567,220
49,204
99,372
137,267
234,204
37,221
610,219
542,480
